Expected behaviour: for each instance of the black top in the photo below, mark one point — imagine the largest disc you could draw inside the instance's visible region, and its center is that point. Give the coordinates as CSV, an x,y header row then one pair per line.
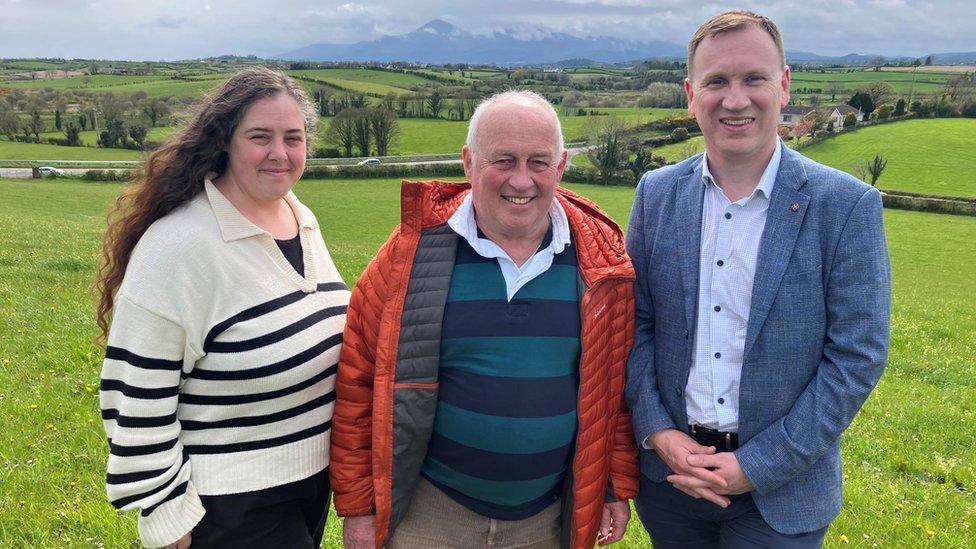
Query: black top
x,y
292,250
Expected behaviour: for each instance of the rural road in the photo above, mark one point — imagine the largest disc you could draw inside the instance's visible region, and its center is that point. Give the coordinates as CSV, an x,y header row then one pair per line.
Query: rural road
x,y
25,173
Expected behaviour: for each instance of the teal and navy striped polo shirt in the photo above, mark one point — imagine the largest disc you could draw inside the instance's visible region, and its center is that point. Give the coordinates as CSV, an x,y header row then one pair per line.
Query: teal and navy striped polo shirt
x,y
506,412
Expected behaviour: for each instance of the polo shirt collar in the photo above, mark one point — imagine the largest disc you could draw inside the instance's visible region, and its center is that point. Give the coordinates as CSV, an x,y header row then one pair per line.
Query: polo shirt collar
x,y
464,224
234,226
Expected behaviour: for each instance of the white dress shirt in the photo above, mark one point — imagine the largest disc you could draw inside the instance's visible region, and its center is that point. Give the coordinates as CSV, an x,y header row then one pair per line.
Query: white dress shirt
x,y
730,235
464,224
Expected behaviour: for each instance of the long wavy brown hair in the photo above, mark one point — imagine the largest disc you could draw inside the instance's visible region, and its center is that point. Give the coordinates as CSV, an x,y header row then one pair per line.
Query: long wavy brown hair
x,y
174,173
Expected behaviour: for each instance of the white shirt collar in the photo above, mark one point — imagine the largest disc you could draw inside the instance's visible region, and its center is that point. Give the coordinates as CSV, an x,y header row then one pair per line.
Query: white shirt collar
x,y
766,180
464,224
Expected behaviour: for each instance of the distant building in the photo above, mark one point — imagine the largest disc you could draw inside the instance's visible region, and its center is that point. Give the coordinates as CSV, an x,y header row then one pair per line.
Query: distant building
x,y
790,115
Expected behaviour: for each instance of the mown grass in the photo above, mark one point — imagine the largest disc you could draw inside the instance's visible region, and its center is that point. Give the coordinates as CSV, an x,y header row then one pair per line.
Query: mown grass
x,y
928,82
437,135
153,86
909,455
934,156
94,82
385,79
929,156
89,138
40,151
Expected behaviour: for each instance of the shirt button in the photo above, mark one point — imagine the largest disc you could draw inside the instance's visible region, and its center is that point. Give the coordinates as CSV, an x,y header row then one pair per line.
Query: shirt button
x,y
721,401
720,263
718,355
718,308
677,392
728,215
686,334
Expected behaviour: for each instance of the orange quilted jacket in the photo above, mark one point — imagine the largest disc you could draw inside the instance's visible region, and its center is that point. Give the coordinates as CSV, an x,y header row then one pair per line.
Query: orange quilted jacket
x,y
369,451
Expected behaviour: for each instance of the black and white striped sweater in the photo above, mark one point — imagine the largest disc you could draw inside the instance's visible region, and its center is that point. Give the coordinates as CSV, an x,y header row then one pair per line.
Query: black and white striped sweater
x,y
220,368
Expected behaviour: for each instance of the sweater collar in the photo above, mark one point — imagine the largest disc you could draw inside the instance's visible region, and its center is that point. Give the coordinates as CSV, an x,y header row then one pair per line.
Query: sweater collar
x,y
234,226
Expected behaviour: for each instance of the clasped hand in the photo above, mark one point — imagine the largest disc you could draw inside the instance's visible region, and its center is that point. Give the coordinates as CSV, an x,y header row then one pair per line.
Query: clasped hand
x,y
700,471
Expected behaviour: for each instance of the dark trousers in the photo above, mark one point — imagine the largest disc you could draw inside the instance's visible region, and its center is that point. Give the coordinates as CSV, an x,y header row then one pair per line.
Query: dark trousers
x,y
288,516
676,520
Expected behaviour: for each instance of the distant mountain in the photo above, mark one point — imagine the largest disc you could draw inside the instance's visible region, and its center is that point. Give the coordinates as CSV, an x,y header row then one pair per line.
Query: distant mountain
x,y
440,42
953,58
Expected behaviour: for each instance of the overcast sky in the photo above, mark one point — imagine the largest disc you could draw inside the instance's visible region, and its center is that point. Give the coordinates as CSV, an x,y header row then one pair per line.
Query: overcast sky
x,y
186,29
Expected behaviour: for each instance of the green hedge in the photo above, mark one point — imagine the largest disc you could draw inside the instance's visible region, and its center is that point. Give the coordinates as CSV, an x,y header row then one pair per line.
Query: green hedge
x,y
921,204
385,159
575,174
934,196
385,170
107,175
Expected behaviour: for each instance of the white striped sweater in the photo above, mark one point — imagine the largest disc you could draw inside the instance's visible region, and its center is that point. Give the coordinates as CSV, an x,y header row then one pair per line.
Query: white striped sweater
x,y
219,374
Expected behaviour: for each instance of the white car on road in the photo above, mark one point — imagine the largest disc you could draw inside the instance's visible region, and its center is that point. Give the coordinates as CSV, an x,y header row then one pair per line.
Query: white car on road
x,y
47,171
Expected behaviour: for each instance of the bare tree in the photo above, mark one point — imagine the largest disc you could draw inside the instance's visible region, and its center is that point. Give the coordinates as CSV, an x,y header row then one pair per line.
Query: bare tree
x,y
384,127
9,123
357,100
341,131
155,110
835,89
879,91
361,133
435,103
35,124
321,95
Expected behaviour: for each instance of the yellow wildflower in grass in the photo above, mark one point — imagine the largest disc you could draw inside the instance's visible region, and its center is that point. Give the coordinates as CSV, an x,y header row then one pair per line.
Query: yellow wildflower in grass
x,y
843,539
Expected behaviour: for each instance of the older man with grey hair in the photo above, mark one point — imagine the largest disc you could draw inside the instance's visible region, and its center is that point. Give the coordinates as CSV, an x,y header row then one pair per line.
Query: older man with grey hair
x,y
480,386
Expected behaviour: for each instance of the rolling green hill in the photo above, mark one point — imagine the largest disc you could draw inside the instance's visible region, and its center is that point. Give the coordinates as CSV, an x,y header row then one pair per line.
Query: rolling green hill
x,y
924,156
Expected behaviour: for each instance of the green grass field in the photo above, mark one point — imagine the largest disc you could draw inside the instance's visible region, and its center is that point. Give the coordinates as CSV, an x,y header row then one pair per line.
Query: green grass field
x,y
95,82
39,151
925,82
364,80
154,86
384,78
924,156
432,136
89,138
676,152
909,455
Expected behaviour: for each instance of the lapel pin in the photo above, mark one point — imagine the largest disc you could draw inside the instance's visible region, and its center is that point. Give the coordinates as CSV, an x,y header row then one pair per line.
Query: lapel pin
x,y
795,207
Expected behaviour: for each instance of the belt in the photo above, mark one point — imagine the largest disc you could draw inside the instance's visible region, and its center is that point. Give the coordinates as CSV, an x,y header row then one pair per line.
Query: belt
x,y
722,441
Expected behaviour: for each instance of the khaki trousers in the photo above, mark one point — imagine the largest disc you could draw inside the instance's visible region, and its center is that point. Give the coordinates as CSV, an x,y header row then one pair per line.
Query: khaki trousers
x,y
435,521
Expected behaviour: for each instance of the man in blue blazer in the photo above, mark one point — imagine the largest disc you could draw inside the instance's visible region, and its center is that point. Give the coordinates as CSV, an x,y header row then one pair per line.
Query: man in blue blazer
x,y
763,304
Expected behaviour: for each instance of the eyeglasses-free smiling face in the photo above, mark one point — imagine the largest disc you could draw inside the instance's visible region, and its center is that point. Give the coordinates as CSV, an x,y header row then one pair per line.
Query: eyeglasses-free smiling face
x,y
735,93
266,156
514,171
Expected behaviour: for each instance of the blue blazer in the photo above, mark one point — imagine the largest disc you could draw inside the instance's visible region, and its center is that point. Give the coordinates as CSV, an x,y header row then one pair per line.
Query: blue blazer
x,y
816,341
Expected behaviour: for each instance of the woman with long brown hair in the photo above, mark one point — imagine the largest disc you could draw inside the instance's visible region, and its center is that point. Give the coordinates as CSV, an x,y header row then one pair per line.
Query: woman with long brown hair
x,y
223,313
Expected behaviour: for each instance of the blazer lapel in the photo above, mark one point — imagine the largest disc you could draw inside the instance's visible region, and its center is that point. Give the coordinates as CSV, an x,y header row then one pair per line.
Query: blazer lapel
x,y
690,194
787,208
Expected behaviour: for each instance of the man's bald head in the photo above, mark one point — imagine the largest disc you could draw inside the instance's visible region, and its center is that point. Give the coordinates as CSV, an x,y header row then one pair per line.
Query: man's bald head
x,y
525,106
